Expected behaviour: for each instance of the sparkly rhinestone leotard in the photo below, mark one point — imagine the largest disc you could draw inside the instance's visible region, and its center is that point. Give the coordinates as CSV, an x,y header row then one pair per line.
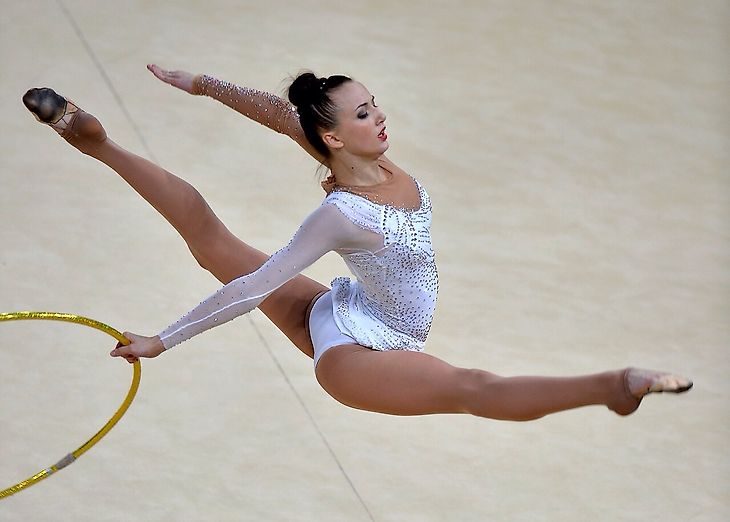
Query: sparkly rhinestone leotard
x,y
390,304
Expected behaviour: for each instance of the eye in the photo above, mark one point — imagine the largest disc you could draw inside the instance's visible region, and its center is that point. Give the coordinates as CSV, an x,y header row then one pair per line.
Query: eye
x,y
362,115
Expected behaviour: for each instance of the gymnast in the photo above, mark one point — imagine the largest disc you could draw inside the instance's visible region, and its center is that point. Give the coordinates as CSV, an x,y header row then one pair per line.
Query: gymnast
x,y
366,335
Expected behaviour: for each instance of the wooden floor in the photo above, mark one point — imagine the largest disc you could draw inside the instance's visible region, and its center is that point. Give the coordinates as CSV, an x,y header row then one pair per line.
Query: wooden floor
x,y
577,155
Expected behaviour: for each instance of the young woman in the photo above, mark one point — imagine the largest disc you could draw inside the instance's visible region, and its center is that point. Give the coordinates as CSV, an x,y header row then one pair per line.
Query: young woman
x,y
366,336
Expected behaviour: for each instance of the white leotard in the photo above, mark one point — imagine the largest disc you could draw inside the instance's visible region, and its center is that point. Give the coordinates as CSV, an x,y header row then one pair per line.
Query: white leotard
x,y
389,306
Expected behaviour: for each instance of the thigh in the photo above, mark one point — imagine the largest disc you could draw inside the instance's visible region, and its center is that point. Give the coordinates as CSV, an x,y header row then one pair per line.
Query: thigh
x,y
394,382
227,257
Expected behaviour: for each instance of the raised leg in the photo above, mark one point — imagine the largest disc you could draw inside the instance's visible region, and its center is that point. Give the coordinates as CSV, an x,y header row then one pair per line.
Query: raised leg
x,y
413,383
214,247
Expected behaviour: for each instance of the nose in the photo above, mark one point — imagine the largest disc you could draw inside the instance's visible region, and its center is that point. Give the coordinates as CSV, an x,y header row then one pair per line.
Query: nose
x,y
381,117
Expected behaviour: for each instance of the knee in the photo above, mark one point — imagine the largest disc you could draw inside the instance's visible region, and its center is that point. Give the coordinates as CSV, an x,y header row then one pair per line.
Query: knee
x,y
210,246
481,394
492,396
204,260
202,253
468,389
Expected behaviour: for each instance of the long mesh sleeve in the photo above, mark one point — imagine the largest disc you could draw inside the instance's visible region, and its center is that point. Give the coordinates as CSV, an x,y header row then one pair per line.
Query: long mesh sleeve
x,y
263,107
324,230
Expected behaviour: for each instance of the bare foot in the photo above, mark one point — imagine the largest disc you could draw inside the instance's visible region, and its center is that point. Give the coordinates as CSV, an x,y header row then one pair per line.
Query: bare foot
x,y
79,128
638,382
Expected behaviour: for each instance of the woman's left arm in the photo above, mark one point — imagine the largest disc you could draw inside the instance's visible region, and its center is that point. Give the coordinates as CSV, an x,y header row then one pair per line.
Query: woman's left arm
x,y
262,107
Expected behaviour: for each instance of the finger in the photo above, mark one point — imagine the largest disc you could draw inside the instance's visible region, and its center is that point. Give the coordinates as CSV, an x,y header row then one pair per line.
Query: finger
x,y
120,351
159,72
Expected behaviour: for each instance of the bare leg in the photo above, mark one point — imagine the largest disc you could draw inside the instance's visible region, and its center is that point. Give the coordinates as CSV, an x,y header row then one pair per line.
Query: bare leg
x,y
413,383
214,247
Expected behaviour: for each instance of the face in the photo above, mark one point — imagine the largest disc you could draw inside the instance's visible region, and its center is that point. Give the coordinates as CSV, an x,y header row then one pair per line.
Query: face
x,y
360,122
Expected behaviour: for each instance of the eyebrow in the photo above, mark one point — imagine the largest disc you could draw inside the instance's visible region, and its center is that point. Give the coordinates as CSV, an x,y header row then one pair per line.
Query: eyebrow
x,y
372,98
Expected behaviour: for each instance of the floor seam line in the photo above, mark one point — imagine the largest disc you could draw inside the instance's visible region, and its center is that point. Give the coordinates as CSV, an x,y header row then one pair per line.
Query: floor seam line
x,y
151,155
107,80
311,417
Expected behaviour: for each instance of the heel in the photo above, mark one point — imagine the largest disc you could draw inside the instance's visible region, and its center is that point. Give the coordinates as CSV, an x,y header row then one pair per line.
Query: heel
x,y
625,402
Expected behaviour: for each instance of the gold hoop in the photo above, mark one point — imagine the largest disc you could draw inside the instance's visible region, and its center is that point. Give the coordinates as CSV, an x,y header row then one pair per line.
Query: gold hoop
x,y
71,457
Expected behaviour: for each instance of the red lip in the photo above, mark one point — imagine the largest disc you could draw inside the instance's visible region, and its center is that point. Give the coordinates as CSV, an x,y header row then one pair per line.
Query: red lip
x,y
382,135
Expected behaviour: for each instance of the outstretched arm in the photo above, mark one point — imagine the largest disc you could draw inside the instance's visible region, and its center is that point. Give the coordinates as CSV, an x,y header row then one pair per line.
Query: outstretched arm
x,y
263,107
324,230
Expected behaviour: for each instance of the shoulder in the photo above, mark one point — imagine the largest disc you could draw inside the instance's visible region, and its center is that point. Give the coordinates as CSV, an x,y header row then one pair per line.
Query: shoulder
x,y
356,209
350,204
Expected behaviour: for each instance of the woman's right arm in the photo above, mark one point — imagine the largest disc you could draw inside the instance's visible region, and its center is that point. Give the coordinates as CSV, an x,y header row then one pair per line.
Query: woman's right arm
x,y
326,229
262,107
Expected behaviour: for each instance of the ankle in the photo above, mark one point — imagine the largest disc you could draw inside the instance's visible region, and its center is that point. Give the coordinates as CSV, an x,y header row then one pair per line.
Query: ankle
x,y
86,134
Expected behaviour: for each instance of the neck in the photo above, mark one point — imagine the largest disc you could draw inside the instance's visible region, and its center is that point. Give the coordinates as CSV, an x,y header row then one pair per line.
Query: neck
x,y
356,171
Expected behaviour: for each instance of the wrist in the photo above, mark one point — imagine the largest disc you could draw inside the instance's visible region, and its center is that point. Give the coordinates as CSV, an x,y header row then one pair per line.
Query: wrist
x,y
199,85
159,344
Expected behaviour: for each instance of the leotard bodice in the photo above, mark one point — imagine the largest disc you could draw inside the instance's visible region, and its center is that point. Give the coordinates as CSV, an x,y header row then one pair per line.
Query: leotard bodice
x,y
391,303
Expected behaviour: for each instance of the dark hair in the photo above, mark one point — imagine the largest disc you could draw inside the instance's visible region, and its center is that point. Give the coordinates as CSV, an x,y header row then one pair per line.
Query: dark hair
x,y
311,96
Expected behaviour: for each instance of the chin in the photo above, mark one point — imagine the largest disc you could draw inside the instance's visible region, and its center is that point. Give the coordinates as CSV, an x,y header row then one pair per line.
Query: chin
x,y
374,152
380,151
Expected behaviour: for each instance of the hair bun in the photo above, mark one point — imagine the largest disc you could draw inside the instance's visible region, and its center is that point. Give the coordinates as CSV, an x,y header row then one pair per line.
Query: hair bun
x,y
305,89
317,110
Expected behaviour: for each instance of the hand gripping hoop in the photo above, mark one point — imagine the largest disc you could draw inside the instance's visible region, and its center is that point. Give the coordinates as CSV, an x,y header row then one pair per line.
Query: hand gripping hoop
x,y
71,457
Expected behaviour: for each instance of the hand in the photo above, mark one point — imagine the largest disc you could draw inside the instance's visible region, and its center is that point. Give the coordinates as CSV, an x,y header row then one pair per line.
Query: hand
x,y
139,347
180,79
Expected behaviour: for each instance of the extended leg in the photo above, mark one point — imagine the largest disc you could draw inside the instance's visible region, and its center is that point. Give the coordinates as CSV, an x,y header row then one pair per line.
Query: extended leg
x,y
412,383
214,247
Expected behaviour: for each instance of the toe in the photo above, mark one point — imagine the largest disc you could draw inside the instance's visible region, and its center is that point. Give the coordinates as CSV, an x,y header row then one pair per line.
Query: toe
x,y
45,104
671,383
658,382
